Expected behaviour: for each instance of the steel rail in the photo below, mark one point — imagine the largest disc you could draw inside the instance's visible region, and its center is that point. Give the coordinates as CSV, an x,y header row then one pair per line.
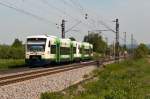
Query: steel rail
x,y
23,76
5,80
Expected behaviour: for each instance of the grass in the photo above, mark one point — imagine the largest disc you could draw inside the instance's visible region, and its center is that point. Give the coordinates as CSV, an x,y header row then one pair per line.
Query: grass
x,y
11,63
127,80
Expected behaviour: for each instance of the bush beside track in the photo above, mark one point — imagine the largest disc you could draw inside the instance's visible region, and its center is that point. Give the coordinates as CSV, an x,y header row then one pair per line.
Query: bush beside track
x,y
11,63
127,80
12,56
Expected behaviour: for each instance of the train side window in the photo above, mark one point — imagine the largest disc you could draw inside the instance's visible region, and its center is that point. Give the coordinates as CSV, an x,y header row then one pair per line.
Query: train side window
x,y
81,50
53,49
49,44
64,50
74,50
86,51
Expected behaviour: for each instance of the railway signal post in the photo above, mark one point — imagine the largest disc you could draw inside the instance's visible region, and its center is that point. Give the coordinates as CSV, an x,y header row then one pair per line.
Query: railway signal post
x,y
125,40
117,41
132,45
63,28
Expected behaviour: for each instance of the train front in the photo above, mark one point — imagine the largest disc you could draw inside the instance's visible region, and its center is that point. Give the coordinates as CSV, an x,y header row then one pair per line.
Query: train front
x,y
35,51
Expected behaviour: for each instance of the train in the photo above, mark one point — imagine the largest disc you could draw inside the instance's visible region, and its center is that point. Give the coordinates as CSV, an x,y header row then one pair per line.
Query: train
x,y
47,49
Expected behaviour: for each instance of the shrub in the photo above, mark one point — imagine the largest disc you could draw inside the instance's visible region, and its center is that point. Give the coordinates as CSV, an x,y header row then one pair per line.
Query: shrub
x,y
141,51
8,52
48,95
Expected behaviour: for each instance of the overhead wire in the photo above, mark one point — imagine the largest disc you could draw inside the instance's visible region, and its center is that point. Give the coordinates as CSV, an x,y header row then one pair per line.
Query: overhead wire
x,y
39,7
73,27
58,9
84,12
9,5
63,12
100,21
81,9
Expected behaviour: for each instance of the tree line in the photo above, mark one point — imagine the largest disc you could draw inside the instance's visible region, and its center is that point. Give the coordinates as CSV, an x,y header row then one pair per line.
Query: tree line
x,y
17,49
14,51
101,47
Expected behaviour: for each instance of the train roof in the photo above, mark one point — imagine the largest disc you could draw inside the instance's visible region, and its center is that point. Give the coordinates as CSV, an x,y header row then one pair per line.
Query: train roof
x,y
85,43
41,36
65,39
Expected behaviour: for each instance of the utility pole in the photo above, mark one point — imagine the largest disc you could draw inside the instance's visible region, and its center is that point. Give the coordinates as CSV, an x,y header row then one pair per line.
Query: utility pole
x,y
106,51
125,46
63,28
132,52
125,40
88,36
106,38
114,53
117,41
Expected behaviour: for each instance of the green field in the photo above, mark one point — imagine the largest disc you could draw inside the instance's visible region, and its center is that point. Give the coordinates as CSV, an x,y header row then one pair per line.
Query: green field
x,y
127,80
11,63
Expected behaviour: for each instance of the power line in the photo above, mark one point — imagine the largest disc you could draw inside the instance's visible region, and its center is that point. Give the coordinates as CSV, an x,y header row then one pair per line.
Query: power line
x,y
8,5
58,9
61,11
82,8
101,22
39,6
79,8
66,3
73,6
73,27
80,11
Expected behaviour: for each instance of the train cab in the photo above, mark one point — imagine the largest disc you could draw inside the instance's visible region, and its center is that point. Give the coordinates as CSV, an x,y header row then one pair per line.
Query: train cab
x,y
38,49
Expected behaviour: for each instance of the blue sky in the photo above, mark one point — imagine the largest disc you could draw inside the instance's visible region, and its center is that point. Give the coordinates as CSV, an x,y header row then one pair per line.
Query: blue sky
x,y
133,16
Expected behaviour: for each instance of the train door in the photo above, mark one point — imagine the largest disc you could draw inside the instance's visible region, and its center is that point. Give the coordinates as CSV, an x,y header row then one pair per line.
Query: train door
x,y
71,52
58,51
82,52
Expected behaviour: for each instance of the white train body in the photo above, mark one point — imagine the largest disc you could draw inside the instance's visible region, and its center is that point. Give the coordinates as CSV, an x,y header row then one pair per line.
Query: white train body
x,y
47,49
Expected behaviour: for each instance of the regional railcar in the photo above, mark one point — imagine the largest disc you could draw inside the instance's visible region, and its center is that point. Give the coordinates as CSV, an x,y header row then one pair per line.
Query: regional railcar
x,y
46,49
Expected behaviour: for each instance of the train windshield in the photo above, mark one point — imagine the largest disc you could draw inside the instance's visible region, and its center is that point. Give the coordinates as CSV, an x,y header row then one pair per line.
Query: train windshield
x,y
36,44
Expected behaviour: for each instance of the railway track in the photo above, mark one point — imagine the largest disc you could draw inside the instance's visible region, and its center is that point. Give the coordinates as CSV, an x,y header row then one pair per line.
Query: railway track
x,y
19,77
14,78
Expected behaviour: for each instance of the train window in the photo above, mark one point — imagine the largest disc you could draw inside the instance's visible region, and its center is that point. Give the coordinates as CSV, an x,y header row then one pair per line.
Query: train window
x,y
49,44
36,44
91,50
86,51
37,39
74,50
81,50
36,47
64,50
53,49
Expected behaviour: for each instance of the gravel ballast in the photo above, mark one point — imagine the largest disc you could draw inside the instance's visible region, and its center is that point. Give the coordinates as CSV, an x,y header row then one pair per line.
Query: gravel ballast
x,y
31,89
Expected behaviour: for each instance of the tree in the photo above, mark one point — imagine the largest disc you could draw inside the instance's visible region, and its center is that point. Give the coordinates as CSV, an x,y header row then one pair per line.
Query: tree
x,y
72,39
141,51
17,43
15,51
8,52
99,45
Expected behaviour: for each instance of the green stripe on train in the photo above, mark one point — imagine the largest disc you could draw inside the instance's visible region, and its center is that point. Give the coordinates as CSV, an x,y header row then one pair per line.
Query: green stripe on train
x,y
57,55
71,51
